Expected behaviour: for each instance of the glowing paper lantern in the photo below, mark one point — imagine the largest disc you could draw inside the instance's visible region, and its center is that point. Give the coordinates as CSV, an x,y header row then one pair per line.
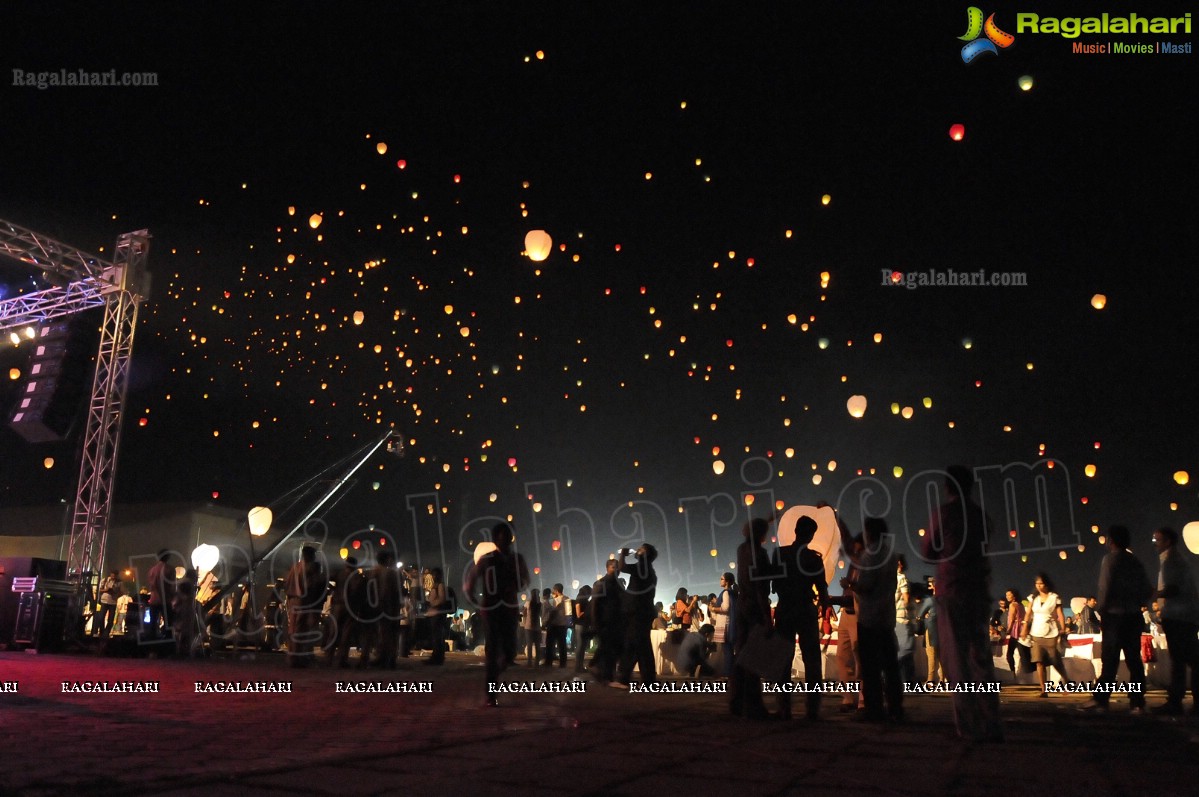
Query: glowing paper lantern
x,y
1025,82
14,373
907,412
1090,471
359,317
381,148
928,402
484,548
822,343
260,518
957,132
315,220
205,557
1190,536
538,244
824,542
343,553
1099,301
556,545
856,406
824,200
48,463
898,471
718,467
1076,604
1181,477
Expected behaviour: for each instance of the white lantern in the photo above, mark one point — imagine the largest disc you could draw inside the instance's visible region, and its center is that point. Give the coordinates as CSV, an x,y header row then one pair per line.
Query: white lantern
x,y
538,244
484,548
205,558
261,518
1076,604
1190,536
359,317
856,406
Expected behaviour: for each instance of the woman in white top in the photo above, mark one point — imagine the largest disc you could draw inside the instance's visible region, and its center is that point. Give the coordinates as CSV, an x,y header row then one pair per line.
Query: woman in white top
x,y
1045,623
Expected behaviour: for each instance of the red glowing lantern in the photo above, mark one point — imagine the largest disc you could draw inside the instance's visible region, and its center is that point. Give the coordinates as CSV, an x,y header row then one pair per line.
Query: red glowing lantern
x,y
556,544
402,164
142,421
216,494
356,544
957,132
536,571
896,276
512,462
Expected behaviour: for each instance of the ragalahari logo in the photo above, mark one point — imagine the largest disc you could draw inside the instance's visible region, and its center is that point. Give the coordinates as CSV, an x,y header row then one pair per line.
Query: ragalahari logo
x,y
975,27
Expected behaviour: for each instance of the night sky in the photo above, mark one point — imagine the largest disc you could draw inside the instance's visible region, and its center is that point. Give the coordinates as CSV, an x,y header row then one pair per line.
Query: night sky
x,y
678,157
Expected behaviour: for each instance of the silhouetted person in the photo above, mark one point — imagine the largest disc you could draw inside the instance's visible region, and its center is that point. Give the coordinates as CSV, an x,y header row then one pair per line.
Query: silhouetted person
x,y
1178,600
639,613
305,586
1123,588
752,612
607,599
955,539
496,581
799,576
873,589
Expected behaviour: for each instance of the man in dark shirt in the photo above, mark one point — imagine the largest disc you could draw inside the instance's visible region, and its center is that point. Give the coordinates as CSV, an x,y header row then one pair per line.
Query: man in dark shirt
x,y
639,615
1123,587
803,593
496,581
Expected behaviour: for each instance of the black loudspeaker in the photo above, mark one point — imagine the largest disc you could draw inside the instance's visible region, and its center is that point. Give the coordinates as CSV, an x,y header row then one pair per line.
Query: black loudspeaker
x,y
21,567
49,400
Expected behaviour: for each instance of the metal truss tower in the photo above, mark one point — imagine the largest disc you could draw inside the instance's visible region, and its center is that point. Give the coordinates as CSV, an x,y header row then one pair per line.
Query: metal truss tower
x,y
119,286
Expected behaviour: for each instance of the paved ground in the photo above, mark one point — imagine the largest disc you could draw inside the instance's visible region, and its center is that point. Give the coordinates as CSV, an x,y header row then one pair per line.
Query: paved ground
x,y
605,742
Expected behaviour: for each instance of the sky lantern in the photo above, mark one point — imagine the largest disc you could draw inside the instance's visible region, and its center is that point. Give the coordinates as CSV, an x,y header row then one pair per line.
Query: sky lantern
x,y
824,200
907,413
1090,470
1190,536
718,467
1099,301
556,545
928,402
260,518
957,132
512,462
538,244
484,548
897,470
856,406
822,343
48,463
1025,82
401,164
14,373
359,317
291,210
205,557
1182,477
315,220
381,148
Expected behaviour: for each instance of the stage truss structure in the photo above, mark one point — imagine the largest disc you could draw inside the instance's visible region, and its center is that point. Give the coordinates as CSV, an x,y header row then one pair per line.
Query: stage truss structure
x,y
83,281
